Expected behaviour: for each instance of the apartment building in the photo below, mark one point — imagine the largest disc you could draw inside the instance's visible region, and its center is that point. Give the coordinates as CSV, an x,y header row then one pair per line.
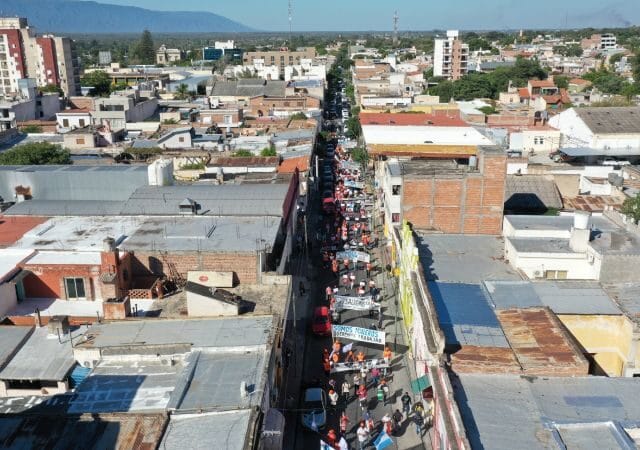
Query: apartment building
x,y
48,59
450,56
281,58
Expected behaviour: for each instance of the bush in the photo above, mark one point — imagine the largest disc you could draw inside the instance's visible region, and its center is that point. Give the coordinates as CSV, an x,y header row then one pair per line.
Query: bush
x,y
192,166
298,116
268,151
242,154
37,153
31,129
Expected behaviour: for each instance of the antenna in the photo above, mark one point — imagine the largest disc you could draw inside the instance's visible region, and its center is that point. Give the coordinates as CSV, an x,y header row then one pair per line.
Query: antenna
x,y
395,27
290,18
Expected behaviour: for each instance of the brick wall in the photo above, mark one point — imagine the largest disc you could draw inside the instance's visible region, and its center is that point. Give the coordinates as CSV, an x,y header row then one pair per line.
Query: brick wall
x,y
243,265
470,204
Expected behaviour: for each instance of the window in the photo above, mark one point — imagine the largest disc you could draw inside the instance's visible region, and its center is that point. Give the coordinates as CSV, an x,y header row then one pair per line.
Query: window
x,y
227,119
65,123
180,139
555,274
395,189
395,217
75,288
81,122
538,140
79,141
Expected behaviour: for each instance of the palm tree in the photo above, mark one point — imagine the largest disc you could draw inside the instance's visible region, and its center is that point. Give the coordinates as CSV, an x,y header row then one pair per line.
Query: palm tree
x,y
182,92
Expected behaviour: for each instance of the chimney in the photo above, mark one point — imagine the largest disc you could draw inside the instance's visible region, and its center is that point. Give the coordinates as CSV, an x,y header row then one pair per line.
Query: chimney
x,y
580,232
109,245
38,318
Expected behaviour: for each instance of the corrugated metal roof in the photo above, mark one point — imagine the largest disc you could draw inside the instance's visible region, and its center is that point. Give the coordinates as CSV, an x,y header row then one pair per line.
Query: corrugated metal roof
x,y
247,88
223,200
12,338
465,315
531,193
225,431
611,120
54,208
73,182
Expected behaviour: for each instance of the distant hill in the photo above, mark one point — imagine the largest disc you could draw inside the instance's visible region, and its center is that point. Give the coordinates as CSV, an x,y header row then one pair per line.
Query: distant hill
x,y
69,16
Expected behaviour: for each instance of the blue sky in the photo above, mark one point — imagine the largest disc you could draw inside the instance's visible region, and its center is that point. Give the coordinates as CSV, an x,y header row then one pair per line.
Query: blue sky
x,y
355,15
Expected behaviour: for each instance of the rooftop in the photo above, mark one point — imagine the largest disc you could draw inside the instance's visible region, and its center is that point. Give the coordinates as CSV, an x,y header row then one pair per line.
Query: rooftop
x,y
13,228
65,257
65,208
248,88
42,357
12,337
224,431
421,135
565,297
463,258
537,407
222,334
531,193
225,200
611,120
438,120
211,234
627,297
9,260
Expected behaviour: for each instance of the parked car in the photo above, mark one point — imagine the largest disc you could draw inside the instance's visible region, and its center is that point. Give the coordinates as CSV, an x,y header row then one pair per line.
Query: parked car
x,y
321,325
610,161
314,409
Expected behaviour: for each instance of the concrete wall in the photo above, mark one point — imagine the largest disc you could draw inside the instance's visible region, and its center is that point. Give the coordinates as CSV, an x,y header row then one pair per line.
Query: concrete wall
x,y
619,268
243,265
607,338
199,306
8,299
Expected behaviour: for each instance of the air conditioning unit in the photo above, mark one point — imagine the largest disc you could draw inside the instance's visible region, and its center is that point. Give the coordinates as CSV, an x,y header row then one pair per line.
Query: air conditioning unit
x,y
90,364
537,274
169,362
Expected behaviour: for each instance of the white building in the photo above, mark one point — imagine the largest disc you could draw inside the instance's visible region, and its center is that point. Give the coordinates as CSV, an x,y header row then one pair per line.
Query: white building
x,y
608,41
450,56
225,45
605,129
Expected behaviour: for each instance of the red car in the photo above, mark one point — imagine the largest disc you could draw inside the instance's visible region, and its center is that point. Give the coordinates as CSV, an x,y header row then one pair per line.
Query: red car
x,y
321,324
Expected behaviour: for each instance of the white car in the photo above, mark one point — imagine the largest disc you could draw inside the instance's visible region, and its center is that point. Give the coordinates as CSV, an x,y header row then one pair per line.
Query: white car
x,y
609,161
314,415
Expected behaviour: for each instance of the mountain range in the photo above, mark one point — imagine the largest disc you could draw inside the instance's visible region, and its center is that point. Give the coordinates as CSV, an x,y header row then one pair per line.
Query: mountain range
x,y
69,16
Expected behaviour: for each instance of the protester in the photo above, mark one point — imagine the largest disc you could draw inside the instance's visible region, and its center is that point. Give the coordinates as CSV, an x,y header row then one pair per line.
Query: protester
x,y
387,424
419,421
344,422
332,437
333,397
356,384
362,396
375,375
385,390
406,403
350,357
362,435
326,365
345,390
360,356
397,420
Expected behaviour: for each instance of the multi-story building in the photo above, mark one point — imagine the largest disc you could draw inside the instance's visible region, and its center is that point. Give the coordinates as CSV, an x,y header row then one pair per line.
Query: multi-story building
x,y
48,59
166,55
450,56
281,58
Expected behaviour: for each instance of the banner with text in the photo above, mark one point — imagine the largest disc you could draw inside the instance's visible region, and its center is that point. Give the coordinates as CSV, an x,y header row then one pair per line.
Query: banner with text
x,y
353,255
355,366
354,184
350,165
358,334
355,303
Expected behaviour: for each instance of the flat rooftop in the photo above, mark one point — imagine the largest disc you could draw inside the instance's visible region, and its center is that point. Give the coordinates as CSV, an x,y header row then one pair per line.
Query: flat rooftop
x,y
555,223
10,258
66,258
212,381
42,357
421,135
12,338
210,234
538,406
627,297
78,233
564,297
199,333
434,168
224,431
462,258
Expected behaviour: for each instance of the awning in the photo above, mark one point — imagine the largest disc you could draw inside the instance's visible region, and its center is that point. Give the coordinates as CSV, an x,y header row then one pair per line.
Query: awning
x,y
420,384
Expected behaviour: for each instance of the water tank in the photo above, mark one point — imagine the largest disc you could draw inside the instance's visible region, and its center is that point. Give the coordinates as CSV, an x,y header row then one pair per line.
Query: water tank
x,y
109,245
220,147
581,220
473,162
615,179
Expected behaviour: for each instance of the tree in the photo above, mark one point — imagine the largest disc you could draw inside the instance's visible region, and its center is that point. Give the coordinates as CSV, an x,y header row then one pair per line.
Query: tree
x,y
52,89
631,208
182,92
298,116
31,129
561,81
36,153
145,50
268,151
242,153
99,81
605,81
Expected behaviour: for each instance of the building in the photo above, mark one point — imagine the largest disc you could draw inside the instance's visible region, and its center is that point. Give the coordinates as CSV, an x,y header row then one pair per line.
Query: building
x,y
282,57
598,132
604,41
242,91
28,104
104,58
450,56
578,247
70,119
123,107
48,59
166,55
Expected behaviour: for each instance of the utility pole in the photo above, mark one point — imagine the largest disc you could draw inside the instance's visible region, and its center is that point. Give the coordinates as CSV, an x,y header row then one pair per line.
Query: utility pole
x,y
290,21
395,28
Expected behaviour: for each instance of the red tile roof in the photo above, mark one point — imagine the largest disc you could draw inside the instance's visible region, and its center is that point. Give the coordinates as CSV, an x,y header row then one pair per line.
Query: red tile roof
x,y
289,165
542,83
75,111
452,119
524,93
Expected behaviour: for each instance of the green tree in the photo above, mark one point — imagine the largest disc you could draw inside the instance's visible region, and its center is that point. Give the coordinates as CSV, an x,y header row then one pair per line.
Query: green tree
x,y
182,92
268,151
561,81
613,59
605,81
631,208
298,116
36,153
52,89
145,50
242,153
99,81
30,129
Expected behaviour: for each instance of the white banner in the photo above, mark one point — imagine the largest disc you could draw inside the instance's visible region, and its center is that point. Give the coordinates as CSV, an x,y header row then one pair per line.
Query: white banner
x,y
353,255
355,303
350,165
358,334
354,184
355,366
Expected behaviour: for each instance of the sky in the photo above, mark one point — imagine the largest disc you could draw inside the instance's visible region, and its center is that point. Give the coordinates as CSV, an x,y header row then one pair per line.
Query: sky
x,y
414,15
